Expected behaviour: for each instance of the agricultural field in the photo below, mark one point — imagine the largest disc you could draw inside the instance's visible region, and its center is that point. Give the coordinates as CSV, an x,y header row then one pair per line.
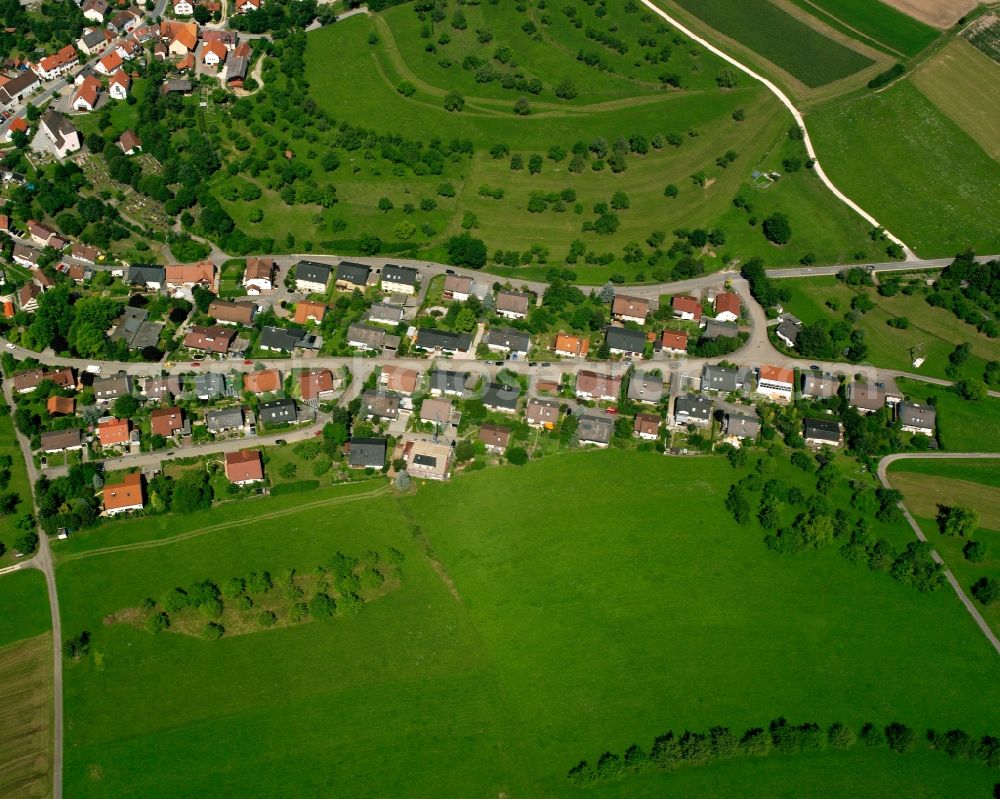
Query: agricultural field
x,y
477,676
25,687
985,35
965,85
972,484
878,23
520,186
918,172
962,425
784,40
933,333
17,484
939,13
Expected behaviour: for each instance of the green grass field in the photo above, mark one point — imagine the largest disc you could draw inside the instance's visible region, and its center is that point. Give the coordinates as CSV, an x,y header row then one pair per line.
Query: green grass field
x,y
790,44
877,22
541,624
974,484
935,331
24,606
917,171
18,485
963,426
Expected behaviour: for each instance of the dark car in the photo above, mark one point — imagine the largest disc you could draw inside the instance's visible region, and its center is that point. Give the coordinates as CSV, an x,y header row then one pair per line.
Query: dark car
x,y
280,441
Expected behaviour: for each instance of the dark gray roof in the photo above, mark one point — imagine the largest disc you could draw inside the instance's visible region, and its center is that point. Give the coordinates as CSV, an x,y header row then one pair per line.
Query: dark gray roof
x,y
431,339
224,419
237,68
645,387
822,429
448,382
720,378
817,385
281,338
366,334
112,386
595,428
715,329
143,274
134,328
790,331
508,338
913,415
353,273
696,407
16,85
621,338
742,425
406,275
312,272
369,452
383,312
176,85
208,384
502,397
275,411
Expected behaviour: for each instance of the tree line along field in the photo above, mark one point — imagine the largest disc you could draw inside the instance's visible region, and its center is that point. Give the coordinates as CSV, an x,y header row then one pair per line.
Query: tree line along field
x,y
25,687
973,484
498,663
931,332
480,193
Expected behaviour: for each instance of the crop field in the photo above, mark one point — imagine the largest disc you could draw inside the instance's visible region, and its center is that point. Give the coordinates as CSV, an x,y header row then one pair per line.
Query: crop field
x,y
963,426
680,133
934,332
972,484
985,35
939,13
787,42
965,85
879,24
478,676
920,174
25,687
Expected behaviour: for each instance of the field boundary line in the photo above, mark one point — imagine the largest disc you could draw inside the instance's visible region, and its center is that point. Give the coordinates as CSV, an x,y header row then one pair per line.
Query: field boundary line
x,y
883,466
785,101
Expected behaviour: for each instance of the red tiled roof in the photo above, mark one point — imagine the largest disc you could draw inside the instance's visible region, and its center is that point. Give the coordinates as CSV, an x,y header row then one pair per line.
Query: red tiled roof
x,y
244,465
166,421
727,301
124,494
315,382
113,431
262,382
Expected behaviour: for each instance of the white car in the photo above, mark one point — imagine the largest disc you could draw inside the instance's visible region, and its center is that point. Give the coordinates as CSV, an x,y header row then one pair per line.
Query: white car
x,y
10,346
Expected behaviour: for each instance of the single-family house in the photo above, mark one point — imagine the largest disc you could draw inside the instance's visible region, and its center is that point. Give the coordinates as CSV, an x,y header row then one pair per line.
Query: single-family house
x,y
168,422
568,346
399,379
721,378
513,304
224,420
149,276
309,311
60,406
17,89
379,405
695,410
457,288
316,384
259,275
427,459
119,85
542,413
630,309
448,383
109,64
686,307
277,411
502,398
114,432
124,496
624,341
867,397
821,431
125,21
181,276
244,467
208,386
232,313
311,277
509,341
213,53
86,94
65,138
61,440
819,386
595,428
399,279
366,453
495,437
367,338
713,329
94,10
162,388
108,389
27,296
436,410
17,125
646,387
382,313
674,341
130,143
597,386
776,382
917,418
25,382
727,306
213,338
443,341
262,381
94,40
788,332
351,276
280,339
742,425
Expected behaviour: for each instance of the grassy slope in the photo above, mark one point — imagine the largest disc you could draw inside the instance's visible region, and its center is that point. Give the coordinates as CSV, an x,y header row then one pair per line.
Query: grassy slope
x,y
522,675
917,171
18,485
24,606
876,20
939,330
781,38
965,85
963,426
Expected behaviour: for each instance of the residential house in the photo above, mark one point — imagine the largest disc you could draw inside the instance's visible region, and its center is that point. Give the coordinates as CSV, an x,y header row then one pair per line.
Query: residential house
x,y
399,379
788,332
508,340
168,422
182,37
595,428
263,381
236,70
316,385
208,386
224,420
596,386
311,277
124,496
721,378
280,339
214,338
457,288
108,389
14,91
65,138
427,459
228,39
85,97
125,21
129,49
542,413
448,383
502,398
674,342
776,382
817,386
368,338
19,124
27,297
568,346
147,275
821,431
443,341
25,382
366,453
243,6
94,10
623,341
61,440
55,66
713,329
277,411
686,307
377,405
647,426
399,279
129,143
259,275
187,276
695,410
867,397
135,329
436,410
159,389
495,437
917,418
742,425
309,311
60,406
43,236
114,432
352,276
513,304
727,306
110,63
75,272
183,8
384,314
244,467
119,85
26,256
630,309
93,41
232,313
646,387
177,85
213,54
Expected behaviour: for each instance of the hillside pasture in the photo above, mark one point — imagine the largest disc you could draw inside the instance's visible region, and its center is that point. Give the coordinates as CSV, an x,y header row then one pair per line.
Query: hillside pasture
x,y
962,425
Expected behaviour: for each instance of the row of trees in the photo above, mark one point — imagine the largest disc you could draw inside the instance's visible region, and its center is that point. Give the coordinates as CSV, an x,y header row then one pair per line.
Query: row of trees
x,y
671,751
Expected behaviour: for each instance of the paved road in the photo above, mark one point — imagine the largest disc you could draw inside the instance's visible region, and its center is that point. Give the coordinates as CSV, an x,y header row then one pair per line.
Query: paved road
x,y
883,466
890,266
